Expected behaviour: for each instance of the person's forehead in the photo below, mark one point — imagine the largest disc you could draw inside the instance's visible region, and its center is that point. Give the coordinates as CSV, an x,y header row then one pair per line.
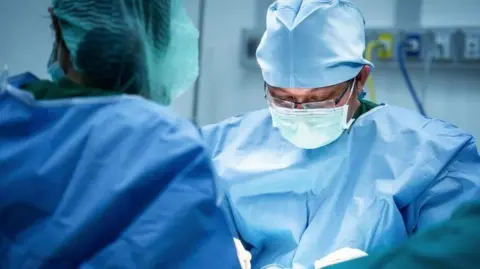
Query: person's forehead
x,y
318,90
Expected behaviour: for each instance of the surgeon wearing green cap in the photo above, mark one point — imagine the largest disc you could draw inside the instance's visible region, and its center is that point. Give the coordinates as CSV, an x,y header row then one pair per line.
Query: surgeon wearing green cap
x,y
321,169
92,173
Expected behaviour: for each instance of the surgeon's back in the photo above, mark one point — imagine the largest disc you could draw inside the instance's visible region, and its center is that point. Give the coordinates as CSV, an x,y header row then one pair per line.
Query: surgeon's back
x,y
94,175
108,182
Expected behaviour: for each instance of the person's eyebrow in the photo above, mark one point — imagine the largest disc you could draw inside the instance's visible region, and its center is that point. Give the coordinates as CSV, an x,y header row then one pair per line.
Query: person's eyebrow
x,y
334,88
323,92
276,90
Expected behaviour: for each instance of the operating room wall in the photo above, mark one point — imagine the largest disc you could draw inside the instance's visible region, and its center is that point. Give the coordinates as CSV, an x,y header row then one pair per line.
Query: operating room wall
x,y
228,89
26,38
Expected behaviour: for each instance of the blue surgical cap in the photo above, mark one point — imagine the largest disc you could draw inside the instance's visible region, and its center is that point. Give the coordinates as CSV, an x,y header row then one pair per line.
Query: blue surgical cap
x,y
312,43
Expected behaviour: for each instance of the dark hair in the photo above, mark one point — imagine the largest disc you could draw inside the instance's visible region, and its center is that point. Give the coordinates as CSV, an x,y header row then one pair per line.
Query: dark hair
x,y
112,56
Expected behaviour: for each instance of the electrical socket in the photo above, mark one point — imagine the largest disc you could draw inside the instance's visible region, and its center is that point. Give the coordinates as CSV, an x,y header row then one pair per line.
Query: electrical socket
x,y
414,49
386,52
472,46
443,46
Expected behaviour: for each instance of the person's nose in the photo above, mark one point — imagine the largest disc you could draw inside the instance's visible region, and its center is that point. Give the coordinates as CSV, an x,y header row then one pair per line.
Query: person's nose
x,y
298,106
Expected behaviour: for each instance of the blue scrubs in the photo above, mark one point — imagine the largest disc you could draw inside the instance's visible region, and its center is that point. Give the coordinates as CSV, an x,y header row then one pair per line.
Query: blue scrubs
x,y
391,174
105,182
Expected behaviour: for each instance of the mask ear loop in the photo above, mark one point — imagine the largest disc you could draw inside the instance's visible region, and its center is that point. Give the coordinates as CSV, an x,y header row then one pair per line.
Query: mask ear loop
x,y
347,125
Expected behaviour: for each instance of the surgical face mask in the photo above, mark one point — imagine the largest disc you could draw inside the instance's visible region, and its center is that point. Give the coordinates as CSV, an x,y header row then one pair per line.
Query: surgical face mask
x,y
311,128
54,69
56,72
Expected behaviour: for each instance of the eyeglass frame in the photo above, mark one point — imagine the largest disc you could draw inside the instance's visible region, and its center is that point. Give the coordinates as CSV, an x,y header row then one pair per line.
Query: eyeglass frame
x,y
295,104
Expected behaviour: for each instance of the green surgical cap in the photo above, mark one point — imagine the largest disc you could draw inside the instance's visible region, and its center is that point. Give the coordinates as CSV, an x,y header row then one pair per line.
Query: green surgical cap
x,y
147,47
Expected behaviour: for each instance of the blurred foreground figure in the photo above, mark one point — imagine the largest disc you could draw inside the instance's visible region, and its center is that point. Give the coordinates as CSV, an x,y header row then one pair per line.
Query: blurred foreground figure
x,y
94,175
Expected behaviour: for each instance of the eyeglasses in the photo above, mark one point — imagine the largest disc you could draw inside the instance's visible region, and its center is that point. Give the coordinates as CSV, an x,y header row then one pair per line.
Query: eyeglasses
x,y
307,105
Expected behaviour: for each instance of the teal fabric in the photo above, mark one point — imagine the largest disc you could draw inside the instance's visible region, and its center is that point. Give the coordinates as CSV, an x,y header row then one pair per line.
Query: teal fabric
x,y
134,46
63,89
365,106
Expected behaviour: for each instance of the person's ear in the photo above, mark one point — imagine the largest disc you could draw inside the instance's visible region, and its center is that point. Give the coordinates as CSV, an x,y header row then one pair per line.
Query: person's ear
x,y
362,78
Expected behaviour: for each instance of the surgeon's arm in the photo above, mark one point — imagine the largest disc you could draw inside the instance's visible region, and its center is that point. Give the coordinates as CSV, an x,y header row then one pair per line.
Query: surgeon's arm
x,y
458,183
181,227
453,244
213,136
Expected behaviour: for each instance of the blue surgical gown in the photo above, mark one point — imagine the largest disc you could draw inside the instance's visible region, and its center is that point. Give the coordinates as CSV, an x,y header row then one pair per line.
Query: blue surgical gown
x,y
391,174
105,182
453,244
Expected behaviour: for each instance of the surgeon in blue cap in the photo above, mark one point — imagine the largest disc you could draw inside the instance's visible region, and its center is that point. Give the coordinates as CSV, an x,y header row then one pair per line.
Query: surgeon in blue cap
x,y
323,169
93,174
